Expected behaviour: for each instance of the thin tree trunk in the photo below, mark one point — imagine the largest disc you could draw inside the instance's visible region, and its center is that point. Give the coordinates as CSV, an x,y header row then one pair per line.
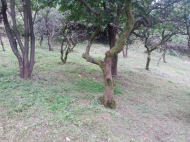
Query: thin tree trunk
x,y
2,43
26,43
47,29
11,38
49,43
53,34
32,37
112,36
25,66
41,39
148,60
164,55
189,41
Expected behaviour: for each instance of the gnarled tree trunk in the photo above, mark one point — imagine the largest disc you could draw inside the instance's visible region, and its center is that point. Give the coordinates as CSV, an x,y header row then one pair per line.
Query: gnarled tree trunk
x,y
106,65
109,83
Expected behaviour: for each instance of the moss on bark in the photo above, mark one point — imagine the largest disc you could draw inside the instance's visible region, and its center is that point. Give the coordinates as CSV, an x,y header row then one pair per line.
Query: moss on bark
x,y
108,104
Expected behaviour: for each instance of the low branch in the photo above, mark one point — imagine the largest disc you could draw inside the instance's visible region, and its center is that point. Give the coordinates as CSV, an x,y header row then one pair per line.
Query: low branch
x,y
89,7
92,59
115,26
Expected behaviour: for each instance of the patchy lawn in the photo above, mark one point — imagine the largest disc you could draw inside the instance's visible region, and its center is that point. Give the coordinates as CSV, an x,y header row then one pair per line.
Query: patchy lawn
x,y
60,102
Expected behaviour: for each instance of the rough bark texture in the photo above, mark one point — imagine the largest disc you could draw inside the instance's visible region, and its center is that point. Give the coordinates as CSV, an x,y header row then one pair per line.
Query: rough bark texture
x,y
109,83
148,61
112,36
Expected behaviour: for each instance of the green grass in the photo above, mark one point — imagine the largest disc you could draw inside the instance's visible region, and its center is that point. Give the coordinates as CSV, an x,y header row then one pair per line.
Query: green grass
x,y
61,101
91,86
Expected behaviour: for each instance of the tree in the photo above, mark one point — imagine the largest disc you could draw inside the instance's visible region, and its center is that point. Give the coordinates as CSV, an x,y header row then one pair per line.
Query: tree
x,y
106,64
181,15
112,17
153,47
1,33
157,18
26,57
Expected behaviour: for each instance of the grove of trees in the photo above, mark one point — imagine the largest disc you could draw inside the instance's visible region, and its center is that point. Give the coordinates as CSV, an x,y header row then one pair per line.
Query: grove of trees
x,y
68,22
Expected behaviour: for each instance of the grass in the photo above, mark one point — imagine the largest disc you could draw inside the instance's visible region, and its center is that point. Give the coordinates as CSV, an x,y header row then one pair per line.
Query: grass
x,y
60,102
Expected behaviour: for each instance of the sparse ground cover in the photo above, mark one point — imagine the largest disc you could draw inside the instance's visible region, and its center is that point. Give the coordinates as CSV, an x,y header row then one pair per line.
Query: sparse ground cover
x,y
60,102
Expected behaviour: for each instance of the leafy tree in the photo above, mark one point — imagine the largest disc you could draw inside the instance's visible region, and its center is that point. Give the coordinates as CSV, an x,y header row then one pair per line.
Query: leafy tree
x,y
106,64
156,18
181,15
26,56
151,47
112,13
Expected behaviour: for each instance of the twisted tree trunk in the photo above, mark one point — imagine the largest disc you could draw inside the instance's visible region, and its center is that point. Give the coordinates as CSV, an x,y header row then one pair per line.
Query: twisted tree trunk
x,y
106,65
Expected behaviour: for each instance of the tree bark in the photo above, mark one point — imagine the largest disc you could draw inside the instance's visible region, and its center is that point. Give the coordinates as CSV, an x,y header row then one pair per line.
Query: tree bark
x,y
109,83
49,43
112,36
47,29
148,60
164,56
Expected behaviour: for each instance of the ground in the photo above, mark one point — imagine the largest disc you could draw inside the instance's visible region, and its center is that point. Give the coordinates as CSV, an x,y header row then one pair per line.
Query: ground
x,y
60,102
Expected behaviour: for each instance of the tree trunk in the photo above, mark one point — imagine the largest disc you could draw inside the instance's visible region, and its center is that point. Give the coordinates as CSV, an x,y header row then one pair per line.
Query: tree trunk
x,y
189,41
24,71
112,36
41,39
49,43
148,61
2,43
107,99
53,34
25,66
47,29
164,55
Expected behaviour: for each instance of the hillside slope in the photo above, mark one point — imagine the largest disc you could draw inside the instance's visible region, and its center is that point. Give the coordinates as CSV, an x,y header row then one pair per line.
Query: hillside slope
x,y
60,102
